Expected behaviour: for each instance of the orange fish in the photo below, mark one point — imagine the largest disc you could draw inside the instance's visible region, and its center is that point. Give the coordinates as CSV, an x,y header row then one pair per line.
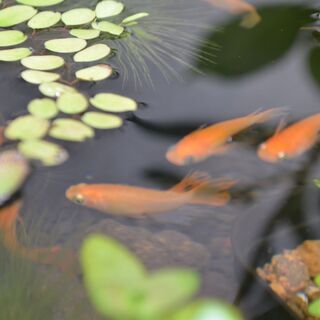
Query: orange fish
x,y
134,201
204,143
292,141
252,17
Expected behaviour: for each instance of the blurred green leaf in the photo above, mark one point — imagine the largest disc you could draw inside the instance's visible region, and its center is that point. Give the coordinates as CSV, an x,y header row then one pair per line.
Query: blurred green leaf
x,y
314,308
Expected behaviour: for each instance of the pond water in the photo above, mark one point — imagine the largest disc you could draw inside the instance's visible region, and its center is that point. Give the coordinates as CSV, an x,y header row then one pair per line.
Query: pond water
x,y
266,66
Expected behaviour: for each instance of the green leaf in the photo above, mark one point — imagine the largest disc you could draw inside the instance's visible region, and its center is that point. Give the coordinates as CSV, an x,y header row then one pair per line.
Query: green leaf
x,y
94,73
109,27
72,103
113,102
93,53
55,89
43,63
44,19
108,8
78,16
317,280
66,45
85,34
16,54
99,120
11,38
14,15
40,3
317,182
135,17
38,77
314,308
43,108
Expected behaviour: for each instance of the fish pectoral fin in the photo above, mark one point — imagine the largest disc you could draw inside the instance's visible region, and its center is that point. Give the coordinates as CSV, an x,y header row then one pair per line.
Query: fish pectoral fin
x,y
222,149
281,125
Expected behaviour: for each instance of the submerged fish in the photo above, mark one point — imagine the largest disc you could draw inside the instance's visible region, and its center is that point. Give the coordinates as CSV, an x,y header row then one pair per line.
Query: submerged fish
x,y
292,141
134,201
204,143
252,17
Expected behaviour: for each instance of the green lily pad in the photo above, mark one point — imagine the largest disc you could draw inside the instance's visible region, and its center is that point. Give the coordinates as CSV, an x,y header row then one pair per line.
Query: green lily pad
x,y
44,19
135,17
16,54
55,89
66,45
72,103
38,77
113,102
108,8
70,130
43,108
14,15
43,63
94,73
14,170
93,53
11,38
27,128
109,27
40,3
85,34
48,153
99,120
76,17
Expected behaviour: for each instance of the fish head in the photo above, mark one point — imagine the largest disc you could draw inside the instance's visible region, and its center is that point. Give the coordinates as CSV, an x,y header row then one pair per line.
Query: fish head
x,y
271,153
78,194
180,156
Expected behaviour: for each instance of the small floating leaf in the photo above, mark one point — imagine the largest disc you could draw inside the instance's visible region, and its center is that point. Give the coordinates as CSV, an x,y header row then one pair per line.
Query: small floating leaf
x,y
66,45
93,53
14,54
40,3
54,89
27,128
108,8
44,19
43,63
94,73
38,77
11,38
135,17
85,34
99,120
50,154
78,16
72,103
14,15
108,27
113,102
43,108
70,130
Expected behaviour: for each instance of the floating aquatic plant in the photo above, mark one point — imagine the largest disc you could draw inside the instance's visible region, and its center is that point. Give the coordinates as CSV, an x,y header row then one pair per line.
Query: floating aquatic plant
x,y
44,63
55,89
44,19
38,77
108,8
94,73
86,34
40,3
15,54
108,27
79,16
43,108
93,53
72,103
67,45
14,15
113,102
11,38
99,120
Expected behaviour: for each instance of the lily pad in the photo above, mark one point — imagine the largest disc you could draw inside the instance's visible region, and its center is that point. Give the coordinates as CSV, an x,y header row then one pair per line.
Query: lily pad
x,y
94,73
38,77
93,53
99,120
43,63
109,27
43,108
108,8
50,154
78,16
11,38
16,54
66,45
70,130
27,128
113,102
14,15
55,89
40,3
85,34
72,103
44,19
135,17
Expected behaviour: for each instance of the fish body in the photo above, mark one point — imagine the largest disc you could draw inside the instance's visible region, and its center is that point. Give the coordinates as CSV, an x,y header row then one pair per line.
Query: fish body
x,y
292,141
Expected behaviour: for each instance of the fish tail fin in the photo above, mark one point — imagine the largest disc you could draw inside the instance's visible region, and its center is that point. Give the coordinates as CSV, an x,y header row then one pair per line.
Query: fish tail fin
x,y
263,116
190,182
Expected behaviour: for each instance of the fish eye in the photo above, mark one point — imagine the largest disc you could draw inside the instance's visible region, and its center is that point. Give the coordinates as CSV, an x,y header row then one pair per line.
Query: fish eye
x,y
79,199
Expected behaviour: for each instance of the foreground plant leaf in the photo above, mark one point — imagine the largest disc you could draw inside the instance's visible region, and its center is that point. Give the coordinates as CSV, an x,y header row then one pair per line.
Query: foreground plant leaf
x,y
79,16
93,53
43,108
48,153
314,308
11,38
135,17
113,102
108,8
44,63
40,3
66,45
14,15
108,27
94,73
72,103
85,34
10,55
55,89
44,19
99,120
38,77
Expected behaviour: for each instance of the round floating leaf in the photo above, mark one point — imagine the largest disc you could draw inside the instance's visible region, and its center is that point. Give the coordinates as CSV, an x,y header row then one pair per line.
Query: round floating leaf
x,y
43,63
14,15
11,38
108,27
99,120
48,153
38,77
94,73
113,102
54,89
14,169
40,3
108,8
93,53
86,34
135,17
44,19
43,108
27,128
14,54
72,103
70,130
66,45
78,16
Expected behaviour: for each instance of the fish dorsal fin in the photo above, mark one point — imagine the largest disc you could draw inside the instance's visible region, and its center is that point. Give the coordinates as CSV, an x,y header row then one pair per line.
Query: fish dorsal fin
x,y
281,125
